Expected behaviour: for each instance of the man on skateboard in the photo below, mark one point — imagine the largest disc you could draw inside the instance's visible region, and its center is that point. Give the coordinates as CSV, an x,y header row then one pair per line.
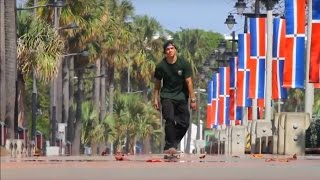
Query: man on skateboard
x,y
177,87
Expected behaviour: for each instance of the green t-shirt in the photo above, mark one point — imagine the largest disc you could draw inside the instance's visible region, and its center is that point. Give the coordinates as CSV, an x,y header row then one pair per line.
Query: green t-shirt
x,y
173,75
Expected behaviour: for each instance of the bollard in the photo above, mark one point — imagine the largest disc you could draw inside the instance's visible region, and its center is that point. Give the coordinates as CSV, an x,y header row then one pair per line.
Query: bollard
x,y
275,132
9,147
229,140
252,133
222,140
238,140
19,149
199,144
295,125
263,129
214,141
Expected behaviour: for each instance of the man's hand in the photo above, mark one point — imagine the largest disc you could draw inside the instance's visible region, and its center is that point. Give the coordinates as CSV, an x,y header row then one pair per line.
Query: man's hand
x,y
156,104
193,106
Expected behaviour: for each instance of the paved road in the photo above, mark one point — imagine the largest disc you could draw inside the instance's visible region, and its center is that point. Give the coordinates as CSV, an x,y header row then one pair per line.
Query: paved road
x,y
189,167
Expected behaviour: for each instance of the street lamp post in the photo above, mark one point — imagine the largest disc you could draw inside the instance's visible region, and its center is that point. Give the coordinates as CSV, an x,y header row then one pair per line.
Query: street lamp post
x,y
128,90
269,61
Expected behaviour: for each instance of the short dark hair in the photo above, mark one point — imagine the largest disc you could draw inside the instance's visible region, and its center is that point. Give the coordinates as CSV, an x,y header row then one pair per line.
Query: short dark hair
x,y
166,44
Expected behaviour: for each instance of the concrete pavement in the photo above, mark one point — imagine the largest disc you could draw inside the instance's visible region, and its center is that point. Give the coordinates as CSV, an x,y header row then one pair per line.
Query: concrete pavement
x,y
189,167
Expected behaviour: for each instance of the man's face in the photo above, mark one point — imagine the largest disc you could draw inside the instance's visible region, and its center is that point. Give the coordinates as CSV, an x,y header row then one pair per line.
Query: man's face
x,y
170,51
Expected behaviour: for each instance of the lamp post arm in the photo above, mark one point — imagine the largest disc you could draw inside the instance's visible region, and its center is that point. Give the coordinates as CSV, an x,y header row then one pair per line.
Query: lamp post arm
x,y
32,7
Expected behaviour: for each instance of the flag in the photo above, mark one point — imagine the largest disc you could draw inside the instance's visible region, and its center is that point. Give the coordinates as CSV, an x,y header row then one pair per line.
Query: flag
x,y
233,64
314,70
250,113
243,72
224,95
233,105
261,108
295,42
257,59
239,115
209,123
215,99
278,57
244,50
233,84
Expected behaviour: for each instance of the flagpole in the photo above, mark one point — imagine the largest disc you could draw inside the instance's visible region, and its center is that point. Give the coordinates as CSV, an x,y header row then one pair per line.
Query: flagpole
x,y
254,100
309,91
269,62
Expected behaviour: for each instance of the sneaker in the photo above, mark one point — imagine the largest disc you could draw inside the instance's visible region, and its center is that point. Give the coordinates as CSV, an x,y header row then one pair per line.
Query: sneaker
x,y
170,151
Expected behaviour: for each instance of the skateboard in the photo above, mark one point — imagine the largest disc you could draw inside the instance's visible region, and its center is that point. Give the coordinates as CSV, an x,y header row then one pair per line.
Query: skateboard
x,y
172,157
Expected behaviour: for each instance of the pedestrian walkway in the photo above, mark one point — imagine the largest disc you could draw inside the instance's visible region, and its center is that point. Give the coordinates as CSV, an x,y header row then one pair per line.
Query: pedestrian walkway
x,y
137,167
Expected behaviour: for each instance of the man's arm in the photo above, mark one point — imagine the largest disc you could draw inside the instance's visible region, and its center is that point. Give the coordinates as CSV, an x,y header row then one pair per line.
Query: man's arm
x,y
191,93
157,85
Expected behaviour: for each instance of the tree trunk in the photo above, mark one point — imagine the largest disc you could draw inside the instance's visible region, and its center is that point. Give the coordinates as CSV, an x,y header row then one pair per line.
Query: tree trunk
x,y
95,147
53,90
78,126
96,88
2,64
59,94
11,63
71,113
65,89
147,145
103,91
21,104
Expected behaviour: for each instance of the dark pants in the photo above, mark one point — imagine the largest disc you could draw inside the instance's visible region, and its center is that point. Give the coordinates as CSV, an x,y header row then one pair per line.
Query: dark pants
x,y
176,115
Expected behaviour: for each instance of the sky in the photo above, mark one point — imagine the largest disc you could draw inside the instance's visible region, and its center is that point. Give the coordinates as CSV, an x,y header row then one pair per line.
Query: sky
x,y
209,15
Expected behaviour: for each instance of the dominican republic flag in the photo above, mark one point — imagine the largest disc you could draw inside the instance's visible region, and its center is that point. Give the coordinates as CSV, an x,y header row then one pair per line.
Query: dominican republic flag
x,y
233,64
278,58
233,84
294,75
215,99
250,113
314,71
257,59
243,72
224,96
235,111
261,108
209,123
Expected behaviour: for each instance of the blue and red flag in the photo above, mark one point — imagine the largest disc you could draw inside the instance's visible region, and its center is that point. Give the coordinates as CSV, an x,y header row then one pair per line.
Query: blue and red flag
x,y
209,123
215,99
224,96
294,75
243,73
233,64
314,70
239,115
278,58
257,59
233,84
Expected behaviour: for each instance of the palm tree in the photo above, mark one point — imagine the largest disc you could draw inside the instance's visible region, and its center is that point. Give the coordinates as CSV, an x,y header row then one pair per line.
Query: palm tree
x,y
39,47
148,49
316,107
294,102
8,65
149,127
2,64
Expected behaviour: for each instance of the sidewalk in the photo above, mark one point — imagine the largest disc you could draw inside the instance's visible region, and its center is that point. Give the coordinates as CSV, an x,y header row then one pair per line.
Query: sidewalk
x,y
189,167
187,158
